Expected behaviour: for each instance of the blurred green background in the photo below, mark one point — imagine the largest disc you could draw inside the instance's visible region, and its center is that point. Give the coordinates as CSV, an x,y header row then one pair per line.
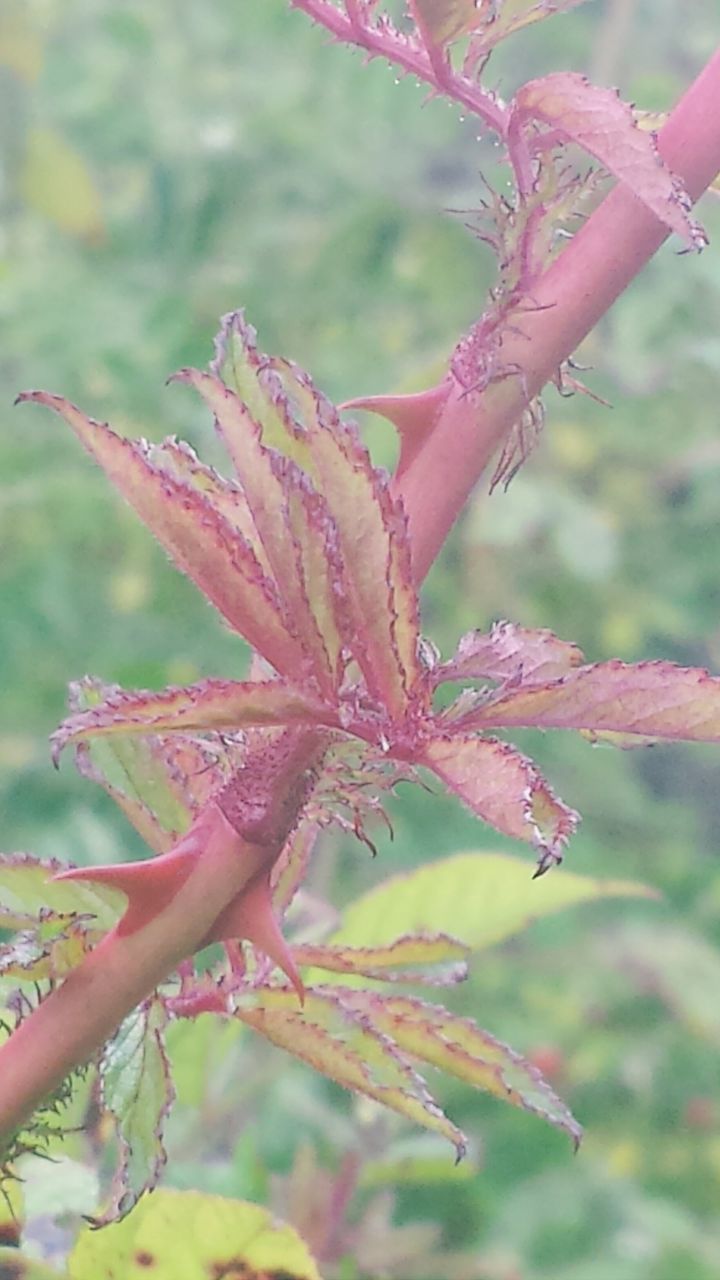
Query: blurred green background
x,y
163,164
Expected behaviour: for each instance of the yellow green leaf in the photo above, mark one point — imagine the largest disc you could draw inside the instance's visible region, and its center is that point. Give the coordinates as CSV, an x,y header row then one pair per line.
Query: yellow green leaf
x,y
27,889
329,1035
481,898
460,1048
20,44
183,1235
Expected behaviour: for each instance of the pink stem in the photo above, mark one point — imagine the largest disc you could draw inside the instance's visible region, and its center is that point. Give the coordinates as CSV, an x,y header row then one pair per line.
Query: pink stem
x,y
429,66
578,288
70,1024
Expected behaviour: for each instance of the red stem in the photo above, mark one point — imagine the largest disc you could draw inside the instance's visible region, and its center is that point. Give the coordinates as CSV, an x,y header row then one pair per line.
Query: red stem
x,y
581,284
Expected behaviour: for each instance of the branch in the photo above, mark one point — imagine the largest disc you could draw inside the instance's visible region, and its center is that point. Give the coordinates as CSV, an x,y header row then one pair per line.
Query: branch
x,y
428,65
578,288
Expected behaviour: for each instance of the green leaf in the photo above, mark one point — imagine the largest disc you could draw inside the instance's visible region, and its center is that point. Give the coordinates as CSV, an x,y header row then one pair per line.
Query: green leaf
x,y
49,951
416,951
481,898
442,21
137,1090
159,782
184,1235
27,890
342,1043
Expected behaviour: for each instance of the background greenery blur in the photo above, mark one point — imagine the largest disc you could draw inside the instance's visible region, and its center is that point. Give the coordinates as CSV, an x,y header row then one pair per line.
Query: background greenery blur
x,y
163,164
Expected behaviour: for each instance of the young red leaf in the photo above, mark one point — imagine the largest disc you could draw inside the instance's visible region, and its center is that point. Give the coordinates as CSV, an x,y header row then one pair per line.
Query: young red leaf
x,y
652,699
199,538
511,653
373,544
203,707
298,421
269,483
462,1049
178,460
249,373
341,1043
600,122
505,789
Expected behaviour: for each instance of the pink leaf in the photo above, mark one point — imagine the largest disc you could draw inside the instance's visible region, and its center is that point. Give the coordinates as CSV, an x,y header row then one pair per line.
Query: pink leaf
x,y
505,789
372,543
600,122
297,548
205,706
199,538
652,699
511,653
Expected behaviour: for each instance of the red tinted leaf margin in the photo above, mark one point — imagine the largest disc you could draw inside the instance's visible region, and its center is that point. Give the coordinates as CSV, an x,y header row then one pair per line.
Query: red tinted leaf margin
x,y
341,1042
511,653
652,699
209,705
599,121
201,541
462,1049
505,789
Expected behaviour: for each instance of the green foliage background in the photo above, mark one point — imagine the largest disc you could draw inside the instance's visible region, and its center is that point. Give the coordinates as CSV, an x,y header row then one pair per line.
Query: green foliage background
x,y
163,164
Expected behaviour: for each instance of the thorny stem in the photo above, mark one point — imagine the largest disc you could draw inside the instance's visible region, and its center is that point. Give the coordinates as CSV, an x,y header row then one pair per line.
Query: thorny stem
x,y
75,1020
619,238
424,65
612,247
69,1025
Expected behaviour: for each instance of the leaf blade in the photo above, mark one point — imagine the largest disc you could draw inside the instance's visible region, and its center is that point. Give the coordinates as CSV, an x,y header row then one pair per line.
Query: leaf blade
x,y
342,1044
439,896
200,540
505,789
599,121
137,1090
209,705
650,699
